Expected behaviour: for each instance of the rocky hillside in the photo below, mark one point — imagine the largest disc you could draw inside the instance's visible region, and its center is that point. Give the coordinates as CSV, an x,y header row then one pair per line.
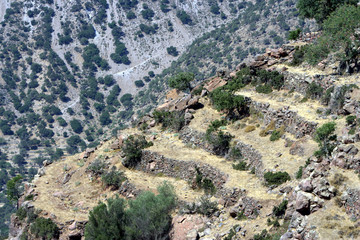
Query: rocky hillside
x,y
73,73
283,163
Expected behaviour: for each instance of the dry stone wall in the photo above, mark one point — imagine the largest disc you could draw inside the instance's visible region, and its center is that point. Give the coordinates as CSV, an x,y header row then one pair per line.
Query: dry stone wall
x,y
294,124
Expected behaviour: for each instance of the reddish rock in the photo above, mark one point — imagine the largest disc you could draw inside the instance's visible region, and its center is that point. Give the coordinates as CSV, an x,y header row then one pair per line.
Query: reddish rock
x,y
257,64
214,84
260,58
186,226
272,62
172,94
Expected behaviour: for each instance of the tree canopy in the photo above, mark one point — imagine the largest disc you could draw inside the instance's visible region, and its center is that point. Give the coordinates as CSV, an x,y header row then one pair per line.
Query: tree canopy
x,y
320,9
181,81
146,217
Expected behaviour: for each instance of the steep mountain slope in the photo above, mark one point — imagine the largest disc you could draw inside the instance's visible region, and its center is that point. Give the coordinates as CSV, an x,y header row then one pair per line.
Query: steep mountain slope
x,y
314,196
76,72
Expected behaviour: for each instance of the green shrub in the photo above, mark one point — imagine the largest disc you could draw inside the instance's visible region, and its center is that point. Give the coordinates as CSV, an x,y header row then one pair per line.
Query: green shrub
x,y
219,140
276,135
44,228
298,56
350,120
114,178
21,213
279,211
276,179
319,11
132,149
146,217
205,207
107,221
172,51
299,173
29,197
352,131
204,183
241,166
173,120
235,105
314,91
181,81
184,17
266,89
139,83
232,233
293,35
325,138
241,215
97,167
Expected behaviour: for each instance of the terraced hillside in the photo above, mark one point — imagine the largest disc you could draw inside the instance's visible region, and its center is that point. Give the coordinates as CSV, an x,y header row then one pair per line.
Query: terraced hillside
x,y
264,175
75,72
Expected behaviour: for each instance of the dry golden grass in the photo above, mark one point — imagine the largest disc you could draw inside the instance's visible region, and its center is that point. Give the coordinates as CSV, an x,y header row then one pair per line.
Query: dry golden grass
x,y
351,79
82,193
268,149
310,71
171,146
280,99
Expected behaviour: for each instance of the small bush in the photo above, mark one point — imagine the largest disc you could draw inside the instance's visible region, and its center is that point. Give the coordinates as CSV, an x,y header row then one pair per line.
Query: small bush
x,y
293,35
266,89
249,128
114,178
314,91
44,228
270,127
220,141
352,131
97,167
279,211
299,173
275,135
241,215
298,56
276,179
139,83
350,120
132,148
241,166
205,206
204,183
21,213
172,120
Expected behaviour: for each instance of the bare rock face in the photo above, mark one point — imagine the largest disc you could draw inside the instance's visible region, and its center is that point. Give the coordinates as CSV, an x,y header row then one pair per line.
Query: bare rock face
x,y
182,102
297,148
306,185
15,228
302,203
214,84
187,227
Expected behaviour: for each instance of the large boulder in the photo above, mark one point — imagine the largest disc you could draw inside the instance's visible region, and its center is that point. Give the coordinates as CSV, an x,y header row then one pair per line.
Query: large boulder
x,y
214,84
302,204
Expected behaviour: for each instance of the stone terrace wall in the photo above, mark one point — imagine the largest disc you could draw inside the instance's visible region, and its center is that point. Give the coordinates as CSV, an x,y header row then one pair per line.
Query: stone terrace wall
x,y
293,123
155,163
299,82
253,157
